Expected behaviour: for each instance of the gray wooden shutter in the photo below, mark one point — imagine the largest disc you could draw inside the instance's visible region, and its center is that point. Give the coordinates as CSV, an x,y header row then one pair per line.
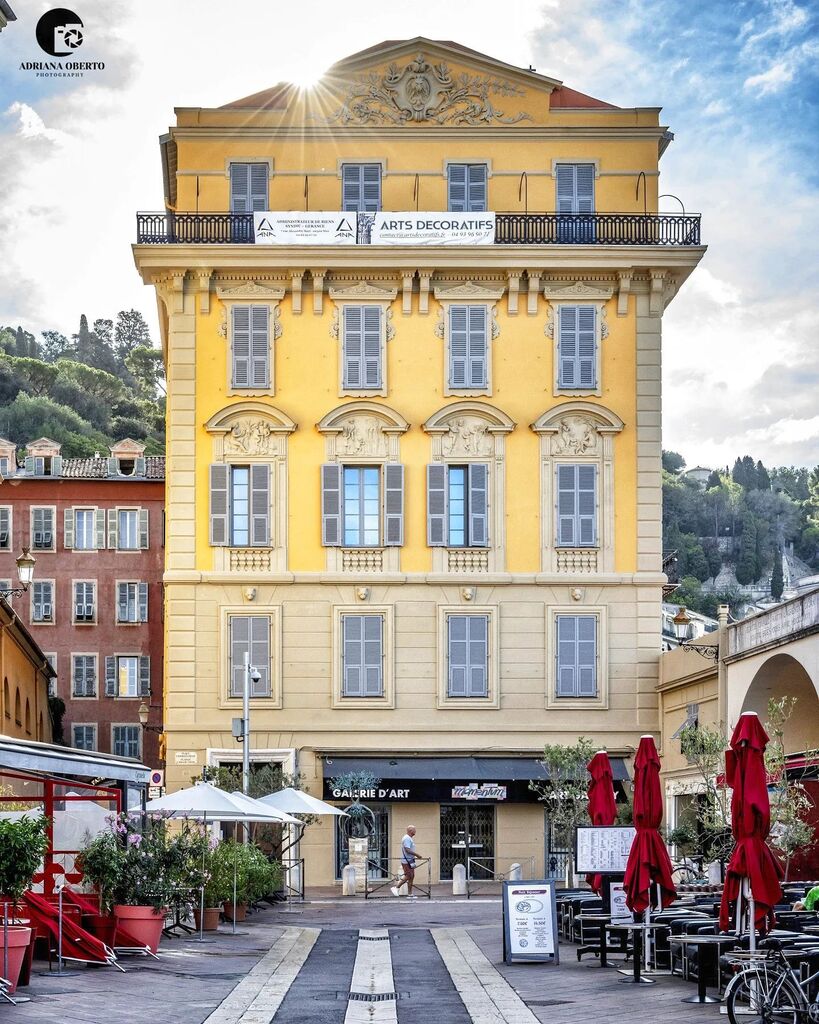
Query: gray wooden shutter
x,y
437,532
240,341
456,182
144,676
586,505
239,645
259,191
566,655
260,505
28,464
260,655
568,372
143,529
142,597
478,504
373,655
566,505
371,346
260,346
371,188
584,188
113,466
393,504
476,188
248,187
353,656
331,510
586,347
68,528
5,529
56,465
458,346
99,528
219,476
477,655
576,667
122,602
478,346
113,528
139,466
565,188
351,186
110,677
587,656
352,345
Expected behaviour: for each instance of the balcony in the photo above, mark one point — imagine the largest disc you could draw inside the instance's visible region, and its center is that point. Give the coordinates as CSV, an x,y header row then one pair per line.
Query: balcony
x,y
663,229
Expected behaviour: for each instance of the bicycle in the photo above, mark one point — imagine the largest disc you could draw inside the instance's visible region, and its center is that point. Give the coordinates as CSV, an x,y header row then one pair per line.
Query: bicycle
x,y
769,991
686,872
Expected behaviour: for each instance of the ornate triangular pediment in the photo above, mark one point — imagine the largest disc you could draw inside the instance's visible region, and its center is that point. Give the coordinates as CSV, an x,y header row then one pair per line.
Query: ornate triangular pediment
x,y
468,290
250,290
560,291
363,290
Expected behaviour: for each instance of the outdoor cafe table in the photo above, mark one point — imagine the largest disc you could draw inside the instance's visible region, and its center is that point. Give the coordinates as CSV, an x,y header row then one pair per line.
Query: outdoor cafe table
x,y
637,929
600,920
702,940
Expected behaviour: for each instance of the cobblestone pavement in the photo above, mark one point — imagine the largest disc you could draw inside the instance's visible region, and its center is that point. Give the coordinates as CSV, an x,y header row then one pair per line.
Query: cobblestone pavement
x,y
334,961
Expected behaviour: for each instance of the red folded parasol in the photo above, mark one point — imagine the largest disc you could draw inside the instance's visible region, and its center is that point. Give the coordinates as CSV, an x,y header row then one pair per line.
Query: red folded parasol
x,y
750,822
602,806
648,860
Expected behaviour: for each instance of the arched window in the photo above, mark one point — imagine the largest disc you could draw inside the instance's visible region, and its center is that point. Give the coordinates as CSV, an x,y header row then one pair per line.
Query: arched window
x,y
18,708
28,717
6,698
41,729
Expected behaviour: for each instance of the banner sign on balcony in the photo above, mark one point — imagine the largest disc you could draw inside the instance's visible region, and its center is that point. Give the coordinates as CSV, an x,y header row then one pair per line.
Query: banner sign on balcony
x,y
303,228
427,228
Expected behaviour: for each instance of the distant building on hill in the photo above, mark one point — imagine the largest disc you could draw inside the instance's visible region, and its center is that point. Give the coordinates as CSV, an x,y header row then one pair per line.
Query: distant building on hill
x,y
699,474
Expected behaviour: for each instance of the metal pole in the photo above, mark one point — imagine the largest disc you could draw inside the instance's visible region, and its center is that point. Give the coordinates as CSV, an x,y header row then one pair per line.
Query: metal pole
x,y
246,727
60,932
6,941
235,866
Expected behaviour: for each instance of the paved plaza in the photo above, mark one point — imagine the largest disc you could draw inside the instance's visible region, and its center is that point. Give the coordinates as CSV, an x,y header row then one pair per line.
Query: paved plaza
x,y
334,961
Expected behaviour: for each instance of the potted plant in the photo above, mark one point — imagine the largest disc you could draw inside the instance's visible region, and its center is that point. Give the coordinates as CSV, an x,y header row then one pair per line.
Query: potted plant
x,y
218,888
101,863
23,844
231,855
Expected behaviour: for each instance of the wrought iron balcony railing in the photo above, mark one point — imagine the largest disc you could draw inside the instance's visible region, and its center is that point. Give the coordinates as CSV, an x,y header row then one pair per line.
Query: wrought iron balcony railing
x,y
510,229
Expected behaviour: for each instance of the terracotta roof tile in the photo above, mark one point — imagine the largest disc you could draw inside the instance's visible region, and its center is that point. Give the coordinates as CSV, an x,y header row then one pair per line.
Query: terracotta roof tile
x,y
563,96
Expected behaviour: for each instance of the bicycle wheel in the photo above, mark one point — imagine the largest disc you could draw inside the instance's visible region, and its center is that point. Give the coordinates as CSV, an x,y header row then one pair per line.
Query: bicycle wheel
x,y
764,995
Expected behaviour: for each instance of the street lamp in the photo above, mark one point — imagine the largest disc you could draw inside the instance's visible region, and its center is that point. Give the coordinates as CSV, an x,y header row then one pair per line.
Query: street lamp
x,y
252,674
25,573
143,711
681,622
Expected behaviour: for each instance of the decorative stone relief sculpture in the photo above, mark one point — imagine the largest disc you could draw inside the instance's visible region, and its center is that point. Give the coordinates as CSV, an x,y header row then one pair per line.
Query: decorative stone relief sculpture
x,y
335,323
362,436
549,329
421,91
577,436
440,324
467,437
222,329
251,437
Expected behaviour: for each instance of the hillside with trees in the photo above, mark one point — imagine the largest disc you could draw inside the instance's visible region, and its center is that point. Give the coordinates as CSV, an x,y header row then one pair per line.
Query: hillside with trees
x,y
729,534
84,390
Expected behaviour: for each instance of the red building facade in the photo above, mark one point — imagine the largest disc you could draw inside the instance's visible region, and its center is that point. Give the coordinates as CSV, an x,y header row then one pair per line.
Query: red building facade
x,y
95,527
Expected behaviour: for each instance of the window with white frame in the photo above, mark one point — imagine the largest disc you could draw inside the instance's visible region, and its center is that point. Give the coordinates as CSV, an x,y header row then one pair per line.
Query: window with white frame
x,y
51,658
127,675
575,202
127,529
84,737
362,654
240,505
362,506
362,348
42,529
466,187
250,346
5,528
42,601
457,505
84,529
85,601
5,465
577,348
83,675
467,648
249,185
576,505
361,187
576,655
132,602
126,740
249,638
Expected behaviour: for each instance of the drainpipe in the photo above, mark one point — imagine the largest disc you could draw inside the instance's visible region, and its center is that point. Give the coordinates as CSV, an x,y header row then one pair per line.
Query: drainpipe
x,y
722,692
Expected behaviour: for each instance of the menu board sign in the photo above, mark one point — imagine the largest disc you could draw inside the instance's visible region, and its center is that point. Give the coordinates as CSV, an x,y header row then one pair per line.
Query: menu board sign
x,y
603,850
530,922
619,909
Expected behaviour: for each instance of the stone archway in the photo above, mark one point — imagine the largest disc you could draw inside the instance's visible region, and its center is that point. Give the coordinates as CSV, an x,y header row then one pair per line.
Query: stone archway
x,y
779,676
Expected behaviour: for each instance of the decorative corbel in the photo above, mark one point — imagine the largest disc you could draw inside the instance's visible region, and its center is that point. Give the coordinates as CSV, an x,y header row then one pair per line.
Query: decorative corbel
x,y
204,275
424,278
318,291
655,297
297,276
362,593
178,292
534,288
407,277
468,593
624,278
513,278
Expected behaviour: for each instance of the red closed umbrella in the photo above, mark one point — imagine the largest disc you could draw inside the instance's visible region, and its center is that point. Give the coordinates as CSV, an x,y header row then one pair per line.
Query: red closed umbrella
x,y
602,805
750,822
648,860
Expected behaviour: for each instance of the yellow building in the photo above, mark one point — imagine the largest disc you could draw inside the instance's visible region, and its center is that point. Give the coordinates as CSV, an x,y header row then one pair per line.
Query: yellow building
x,y
25,671
418,484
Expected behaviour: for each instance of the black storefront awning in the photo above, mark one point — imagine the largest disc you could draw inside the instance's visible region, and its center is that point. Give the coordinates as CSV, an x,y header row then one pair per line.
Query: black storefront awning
x,y
445,778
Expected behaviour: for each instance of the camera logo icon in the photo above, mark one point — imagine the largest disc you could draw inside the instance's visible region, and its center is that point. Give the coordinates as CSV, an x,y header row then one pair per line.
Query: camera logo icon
x,y
59,32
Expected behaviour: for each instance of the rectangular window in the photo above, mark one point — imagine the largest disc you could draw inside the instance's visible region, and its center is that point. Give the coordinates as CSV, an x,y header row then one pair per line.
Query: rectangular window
x,y
361,187
83,675
575,203
42,601
4,465
576,506
52,683
85,529
249,635
248,188
362,656
84,737
5,528
457,505
577,347
85,599
362,506
468,655
250,340
361,347
576,668
240,505
128,676
468,347
42,529
466,187
132,602
127,529
126,740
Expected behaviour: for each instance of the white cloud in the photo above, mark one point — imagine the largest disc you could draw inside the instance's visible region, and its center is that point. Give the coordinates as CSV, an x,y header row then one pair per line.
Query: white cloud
x,y
773,80
31,126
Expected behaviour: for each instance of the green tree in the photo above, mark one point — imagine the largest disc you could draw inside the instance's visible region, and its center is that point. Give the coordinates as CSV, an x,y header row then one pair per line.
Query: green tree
x,y
566,792
713,557
713,480
28,417
763,480
98,383
673,462
21,341
146,366
54,345
710,839
104,332
747,568
777,578
37,376
696,562
7,341
82,341
130,332
791,805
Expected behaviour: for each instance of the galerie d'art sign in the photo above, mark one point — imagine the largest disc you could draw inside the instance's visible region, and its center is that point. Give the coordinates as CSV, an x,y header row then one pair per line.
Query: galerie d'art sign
x,y
530,922
347,228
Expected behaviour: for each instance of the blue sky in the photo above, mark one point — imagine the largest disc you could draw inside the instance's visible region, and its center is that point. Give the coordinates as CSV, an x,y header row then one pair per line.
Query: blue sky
x,y
737,81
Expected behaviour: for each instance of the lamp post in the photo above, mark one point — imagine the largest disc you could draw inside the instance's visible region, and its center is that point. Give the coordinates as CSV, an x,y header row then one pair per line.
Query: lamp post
x,y
681,622
251,674
143,712
25,574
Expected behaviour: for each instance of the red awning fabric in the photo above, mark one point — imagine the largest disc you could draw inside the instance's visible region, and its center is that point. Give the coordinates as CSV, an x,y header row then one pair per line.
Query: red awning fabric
x,y
750,822
602,804
78,944
648,860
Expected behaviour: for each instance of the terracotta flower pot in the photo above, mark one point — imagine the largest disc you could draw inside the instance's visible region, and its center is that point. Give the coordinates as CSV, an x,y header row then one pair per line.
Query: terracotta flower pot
x,y
235,912
104,926
18,942
211,922
144,923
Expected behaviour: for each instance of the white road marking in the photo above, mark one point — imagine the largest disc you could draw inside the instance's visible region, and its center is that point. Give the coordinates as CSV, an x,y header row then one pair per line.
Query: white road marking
x,y
487,996
258,996
372,975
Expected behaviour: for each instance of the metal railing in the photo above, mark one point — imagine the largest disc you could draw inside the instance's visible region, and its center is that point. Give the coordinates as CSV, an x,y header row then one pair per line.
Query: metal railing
x,y
510,229
374,888
484,871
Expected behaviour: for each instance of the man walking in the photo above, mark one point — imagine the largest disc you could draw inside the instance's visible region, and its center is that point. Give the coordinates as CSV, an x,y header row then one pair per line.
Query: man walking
x,y
408,858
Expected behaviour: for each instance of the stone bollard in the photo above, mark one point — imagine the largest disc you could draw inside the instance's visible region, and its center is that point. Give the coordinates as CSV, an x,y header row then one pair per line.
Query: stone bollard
x,y
348,881
458,880
515,873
